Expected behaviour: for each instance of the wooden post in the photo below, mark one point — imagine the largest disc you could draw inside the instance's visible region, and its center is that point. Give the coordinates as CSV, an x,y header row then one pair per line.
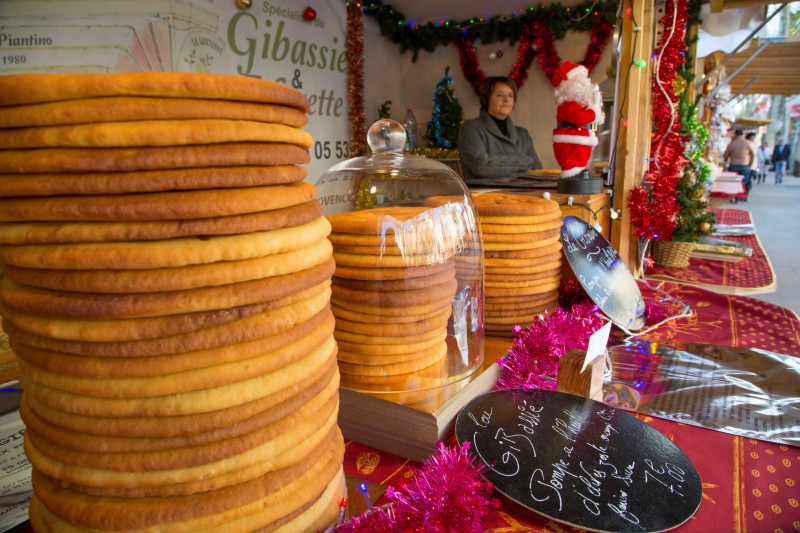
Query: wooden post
x,y
633,145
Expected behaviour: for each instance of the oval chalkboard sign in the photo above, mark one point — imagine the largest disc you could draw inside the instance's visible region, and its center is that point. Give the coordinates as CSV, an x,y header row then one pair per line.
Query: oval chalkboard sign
x,y
602,273
579,461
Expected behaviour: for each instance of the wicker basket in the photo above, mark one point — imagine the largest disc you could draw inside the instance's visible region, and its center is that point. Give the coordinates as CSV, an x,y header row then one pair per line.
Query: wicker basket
x,y
672,254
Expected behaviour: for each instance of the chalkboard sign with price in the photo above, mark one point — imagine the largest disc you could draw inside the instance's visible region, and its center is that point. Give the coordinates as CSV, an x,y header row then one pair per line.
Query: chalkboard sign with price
x,y
602,273
579,461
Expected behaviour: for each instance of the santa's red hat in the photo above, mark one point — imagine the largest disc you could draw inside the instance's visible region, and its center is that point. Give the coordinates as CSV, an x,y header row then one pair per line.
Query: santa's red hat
x,y
566,71
573,148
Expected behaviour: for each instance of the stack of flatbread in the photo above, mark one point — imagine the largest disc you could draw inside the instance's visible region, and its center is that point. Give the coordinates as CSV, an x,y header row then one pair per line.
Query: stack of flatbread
x,y
522,251
392,294
167,293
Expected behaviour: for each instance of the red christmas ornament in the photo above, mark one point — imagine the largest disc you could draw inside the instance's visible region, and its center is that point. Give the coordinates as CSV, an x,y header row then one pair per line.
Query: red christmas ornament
x,y
309,15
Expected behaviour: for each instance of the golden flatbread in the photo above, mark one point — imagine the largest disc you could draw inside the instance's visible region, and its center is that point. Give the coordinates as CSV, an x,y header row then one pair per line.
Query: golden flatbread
x,y
490,276
69,305
393,299
164,253
523,283
262,324
521,290
123,108
81,160
383,360
34,88
536,236
189,426
352,330
552,248
395,285
421,313
404,313
63,232
177,179
172,279
152,133
397,273
176,205
393,369
524,299
496,204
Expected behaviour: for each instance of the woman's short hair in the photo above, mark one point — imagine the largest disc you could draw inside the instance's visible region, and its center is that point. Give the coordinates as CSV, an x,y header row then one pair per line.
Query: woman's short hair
x,y
487,88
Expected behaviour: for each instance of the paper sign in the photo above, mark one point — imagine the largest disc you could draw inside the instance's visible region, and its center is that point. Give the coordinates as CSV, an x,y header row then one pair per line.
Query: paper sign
x,y
597,345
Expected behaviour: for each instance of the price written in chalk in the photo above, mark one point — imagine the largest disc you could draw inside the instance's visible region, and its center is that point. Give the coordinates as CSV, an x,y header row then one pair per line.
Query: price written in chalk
x,y
602,273
579,461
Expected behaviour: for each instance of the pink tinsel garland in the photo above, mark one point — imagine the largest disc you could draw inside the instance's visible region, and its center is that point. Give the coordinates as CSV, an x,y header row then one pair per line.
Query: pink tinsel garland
x,y
447,494
532,360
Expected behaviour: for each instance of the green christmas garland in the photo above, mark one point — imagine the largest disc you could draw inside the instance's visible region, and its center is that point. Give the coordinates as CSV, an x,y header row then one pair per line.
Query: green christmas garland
x,y
414,37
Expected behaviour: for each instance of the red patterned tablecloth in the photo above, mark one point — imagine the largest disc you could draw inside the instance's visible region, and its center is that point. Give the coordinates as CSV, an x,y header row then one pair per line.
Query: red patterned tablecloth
x,y
751,275
748,485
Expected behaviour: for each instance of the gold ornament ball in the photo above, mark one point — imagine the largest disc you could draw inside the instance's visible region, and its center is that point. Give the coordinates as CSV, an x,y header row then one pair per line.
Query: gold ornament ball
x,y
680,84
705,226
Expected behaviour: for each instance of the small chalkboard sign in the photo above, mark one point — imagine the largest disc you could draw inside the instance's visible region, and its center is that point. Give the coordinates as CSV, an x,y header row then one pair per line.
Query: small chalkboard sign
x,y
602,273
579,461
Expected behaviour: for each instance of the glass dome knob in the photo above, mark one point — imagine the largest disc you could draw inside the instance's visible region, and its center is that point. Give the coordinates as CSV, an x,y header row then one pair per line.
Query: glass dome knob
x,y
386,135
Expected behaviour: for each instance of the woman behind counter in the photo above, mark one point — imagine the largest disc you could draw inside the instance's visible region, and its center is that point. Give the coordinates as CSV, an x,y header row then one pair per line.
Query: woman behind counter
x,y
490,146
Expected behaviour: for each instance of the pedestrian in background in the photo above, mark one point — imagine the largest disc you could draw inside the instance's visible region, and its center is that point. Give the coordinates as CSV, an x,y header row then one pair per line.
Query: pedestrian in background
x,y
780,158
764,156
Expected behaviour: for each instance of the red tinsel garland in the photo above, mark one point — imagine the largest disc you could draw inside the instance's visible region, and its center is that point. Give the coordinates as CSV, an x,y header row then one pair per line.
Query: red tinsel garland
x,y
355,79
653,206
535,34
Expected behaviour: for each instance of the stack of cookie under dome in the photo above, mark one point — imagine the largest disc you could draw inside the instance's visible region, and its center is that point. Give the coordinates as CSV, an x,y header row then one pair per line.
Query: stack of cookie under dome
x,y
522,258
167,293
392,296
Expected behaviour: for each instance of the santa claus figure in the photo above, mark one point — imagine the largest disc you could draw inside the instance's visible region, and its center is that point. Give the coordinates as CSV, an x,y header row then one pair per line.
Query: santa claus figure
x,y
580,109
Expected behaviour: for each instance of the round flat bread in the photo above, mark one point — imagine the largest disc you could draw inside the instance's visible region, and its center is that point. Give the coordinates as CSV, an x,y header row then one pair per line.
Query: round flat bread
x,y
511,246
395,285
535,236
410,313
194,510
497,309
393,369
382,221
343,336
199,401
152,133
82,160
186,381
496,204
123,108
519,283
246,329
136,329
177,205
524,299
519,319
383,360
178,179
66,364
60,304
550,249
493,262
172,279
353,330
520,291
398,273
552,221
74,232
189,426
405,299
388,261
490,276
530,265
165,253
377,349
91,443
514,312
35,88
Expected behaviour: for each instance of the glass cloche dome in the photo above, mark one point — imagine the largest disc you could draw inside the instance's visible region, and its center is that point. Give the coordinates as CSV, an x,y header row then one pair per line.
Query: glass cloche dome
x,y
407,293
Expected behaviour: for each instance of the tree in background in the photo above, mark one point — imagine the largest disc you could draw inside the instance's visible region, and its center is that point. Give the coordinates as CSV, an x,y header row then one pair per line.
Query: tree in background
x,y
447,116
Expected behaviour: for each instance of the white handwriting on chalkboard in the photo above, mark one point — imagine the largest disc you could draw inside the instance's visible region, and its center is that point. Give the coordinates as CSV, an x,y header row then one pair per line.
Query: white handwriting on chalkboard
x,y
569,427
529,415
621,508
512,444
555,484
486,419
656,473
